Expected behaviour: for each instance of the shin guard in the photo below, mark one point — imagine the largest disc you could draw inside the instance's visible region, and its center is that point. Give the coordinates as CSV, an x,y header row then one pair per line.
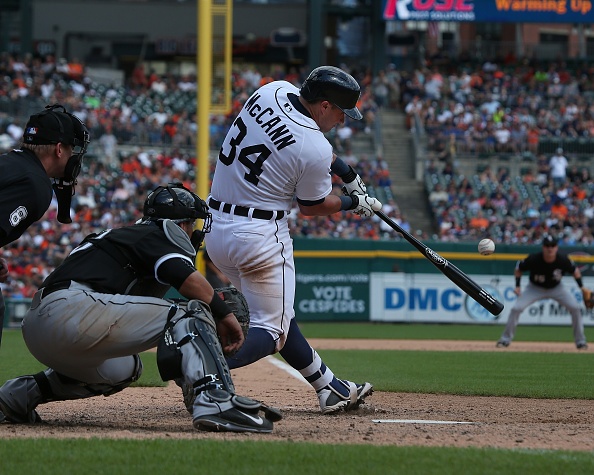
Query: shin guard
x,y
203,364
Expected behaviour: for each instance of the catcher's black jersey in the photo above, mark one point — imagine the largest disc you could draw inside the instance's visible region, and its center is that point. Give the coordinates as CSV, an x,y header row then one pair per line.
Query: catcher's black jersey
x,y
126,261
543,274
25,193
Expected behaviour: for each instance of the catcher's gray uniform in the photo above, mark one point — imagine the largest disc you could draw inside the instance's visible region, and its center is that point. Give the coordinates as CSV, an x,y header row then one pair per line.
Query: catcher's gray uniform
x,y
103,305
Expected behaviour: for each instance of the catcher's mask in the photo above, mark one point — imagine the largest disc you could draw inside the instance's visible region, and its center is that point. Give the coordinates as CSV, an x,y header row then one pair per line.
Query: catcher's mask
x,y
179,204
51,126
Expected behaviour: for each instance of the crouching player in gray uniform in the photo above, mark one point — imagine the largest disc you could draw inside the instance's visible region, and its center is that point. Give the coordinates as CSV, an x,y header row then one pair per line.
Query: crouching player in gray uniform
x,y
104,304
546,270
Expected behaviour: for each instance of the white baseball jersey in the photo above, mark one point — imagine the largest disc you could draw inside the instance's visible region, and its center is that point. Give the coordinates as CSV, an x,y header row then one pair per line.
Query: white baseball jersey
x,y
272,153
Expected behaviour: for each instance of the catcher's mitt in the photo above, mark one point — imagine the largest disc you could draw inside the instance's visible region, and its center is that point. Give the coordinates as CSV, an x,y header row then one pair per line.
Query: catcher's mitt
x,y
238,305
588,297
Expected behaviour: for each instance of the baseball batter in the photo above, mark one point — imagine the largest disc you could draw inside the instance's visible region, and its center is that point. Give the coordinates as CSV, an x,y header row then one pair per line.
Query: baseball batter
x,y
103,306
546,270
274,152
54,144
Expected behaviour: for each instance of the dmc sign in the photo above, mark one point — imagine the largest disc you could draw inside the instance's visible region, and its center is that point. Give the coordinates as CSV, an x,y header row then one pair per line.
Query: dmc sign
x,y
423,299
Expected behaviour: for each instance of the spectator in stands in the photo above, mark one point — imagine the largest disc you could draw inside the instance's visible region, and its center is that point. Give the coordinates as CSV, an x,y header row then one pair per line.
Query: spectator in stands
x,y
412,108
543,169
479,221
438,195
532,139
381,89
344,134
558,165
499,201
349,157
108,143
558,209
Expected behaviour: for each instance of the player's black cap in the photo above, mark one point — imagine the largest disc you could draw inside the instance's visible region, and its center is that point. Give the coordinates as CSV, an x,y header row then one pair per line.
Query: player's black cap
x,y
54,125
549,241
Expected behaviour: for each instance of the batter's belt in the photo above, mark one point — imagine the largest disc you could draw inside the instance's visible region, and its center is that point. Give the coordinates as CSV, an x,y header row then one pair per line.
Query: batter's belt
x,y
243,211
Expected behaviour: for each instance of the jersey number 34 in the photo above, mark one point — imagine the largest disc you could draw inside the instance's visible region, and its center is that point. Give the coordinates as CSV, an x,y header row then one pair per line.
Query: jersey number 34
x,y
261,152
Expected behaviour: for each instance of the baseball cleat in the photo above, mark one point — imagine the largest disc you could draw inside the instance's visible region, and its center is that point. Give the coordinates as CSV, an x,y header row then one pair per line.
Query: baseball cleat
x,y
220,411
502,344
333,400
582,346
234,420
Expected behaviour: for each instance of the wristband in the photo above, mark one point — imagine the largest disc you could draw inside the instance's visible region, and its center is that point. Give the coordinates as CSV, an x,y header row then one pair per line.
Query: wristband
x,y
579,282
344,171
517,281
348,202
218,307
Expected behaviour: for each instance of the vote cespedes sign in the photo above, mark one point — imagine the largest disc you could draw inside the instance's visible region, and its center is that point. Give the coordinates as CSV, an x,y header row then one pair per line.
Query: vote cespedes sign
x,y
510,11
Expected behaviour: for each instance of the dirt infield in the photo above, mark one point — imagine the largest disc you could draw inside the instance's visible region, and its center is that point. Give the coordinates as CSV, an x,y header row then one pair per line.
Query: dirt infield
x,y
431,420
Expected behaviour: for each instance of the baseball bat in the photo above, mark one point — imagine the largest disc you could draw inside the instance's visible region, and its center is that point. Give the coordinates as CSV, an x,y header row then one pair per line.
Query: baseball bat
x,y
448,269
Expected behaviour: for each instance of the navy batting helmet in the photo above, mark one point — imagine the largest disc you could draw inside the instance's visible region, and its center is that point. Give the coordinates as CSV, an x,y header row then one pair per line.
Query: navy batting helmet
x,y
331,84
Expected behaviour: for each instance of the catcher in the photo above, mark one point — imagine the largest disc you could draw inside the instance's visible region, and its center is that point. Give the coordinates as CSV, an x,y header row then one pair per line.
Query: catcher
x,y
104,304
546,270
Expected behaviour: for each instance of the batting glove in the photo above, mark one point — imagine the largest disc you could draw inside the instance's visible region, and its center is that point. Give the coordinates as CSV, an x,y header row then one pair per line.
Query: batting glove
x,y
366,205
353,183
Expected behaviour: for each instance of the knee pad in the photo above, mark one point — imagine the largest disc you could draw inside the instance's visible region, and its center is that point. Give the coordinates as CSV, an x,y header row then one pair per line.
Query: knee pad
x,y
107,391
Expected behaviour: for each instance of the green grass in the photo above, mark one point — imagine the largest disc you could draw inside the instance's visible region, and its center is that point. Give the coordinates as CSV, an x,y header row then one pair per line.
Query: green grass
x,y
496,373
159,457
408,331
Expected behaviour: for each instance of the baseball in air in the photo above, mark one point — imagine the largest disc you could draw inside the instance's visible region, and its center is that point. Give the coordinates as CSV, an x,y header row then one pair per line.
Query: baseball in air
x,y
486,247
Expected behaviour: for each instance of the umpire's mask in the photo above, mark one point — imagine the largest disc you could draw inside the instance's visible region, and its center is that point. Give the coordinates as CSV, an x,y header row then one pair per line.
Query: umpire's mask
x,y
51,126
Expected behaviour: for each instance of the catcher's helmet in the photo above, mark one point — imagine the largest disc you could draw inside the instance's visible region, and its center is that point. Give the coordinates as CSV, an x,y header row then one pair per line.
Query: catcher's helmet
x,y
179,204
331,84
174,202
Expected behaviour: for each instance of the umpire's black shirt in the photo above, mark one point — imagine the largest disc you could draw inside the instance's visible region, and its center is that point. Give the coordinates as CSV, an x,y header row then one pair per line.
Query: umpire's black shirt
x,y
25,193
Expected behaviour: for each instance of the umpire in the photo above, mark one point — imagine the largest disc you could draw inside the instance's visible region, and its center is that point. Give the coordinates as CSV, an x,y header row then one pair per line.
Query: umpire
x,y
546,270
104,305
53,146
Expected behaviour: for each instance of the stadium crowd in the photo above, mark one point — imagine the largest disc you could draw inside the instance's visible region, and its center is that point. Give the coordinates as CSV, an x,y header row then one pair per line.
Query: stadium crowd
x,y
143,134
513,111
502,108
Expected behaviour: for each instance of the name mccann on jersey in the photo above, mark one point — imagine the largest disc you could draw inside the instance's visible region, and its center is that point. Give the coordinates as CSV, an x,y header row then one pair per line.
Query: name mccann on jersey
x,y
280,136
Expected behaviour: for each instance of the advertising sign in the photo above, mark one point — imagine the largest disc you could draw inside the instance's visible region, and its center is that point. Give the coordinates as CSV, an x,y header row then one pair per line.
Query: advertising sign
x,y
399,297
513,11
341,297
